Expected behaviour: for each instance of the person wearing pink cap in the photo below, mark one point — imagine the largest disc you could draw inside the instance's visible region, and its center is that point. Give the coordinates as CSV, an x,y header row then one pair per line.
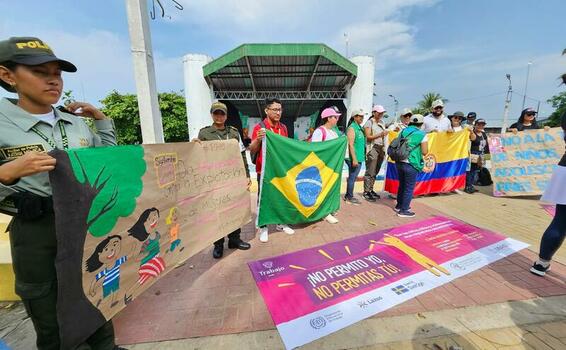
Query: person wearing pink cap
x,y
375,132
325,132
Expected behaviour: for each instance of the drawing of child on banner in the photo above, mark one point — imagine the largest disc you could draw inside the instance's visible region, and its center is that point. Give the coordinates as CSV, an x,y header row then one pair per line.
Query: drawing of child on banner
x,y
414,255
145,230
107,254
173,221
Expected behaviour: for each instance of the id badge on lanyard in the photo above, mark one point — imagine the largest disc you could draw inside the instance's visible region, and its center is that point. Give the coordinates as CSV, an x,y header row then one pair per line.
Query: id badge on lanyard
x,y
50,141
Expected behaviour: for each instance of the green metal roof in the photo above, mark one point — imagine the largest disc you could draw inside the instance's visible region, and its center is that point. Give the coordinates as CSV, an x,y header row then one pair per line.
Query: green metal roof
x,y
280,50
303,76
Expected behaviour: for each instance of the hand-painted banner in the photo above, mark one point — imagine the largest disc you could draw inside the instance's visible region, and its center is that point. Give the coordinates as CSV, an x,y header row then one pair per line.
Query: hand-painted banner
x,y
522,163
127,215
445,164
300,180
317,291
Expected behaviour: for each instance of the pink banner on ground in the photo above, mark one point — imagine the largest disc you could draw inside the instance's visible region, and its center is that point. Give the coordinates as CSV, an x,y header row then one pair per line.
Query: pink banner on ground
x,y
550,209
314,292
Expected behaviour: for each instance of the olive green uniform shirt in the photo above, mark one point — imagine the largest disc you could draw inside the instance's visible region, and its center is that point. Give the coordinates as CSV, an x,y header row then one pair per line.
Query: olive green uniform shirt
x,y
210,133
17,137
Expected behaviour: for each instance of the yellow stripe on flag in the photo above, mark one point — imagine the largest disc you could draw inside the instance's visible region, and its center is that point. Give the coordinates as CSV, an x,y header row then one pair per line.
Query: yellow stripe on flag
x,y
445,146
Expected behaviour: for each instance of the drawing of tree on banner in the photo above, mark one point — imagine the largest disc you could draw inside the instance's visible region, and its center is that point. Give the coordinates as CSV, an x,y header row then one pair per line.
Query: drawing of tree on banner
x,y
112,184
100,185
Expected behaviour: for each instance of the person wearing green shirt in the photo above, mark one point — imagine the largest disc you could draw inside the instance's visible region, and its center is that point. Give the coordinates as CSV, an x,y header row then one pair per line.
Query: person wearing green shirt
x,y
29,128
356,153
409,168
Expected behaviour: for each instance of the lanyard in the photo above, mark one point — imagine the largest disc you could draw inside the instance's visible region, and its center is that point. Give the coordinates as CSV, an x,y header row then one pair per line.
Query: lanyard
x,y
50,141
220,138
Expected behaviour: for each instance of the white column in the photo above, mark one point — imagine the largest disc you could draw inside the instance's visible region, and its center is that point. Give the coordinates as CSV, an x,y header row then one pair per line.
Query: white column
x,y
198,94
144,71
360,94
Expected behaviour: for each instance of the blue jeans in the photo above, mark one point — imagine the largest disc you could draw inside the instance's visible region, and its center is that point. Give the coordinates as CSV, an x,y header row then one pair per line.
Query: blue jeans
x,y
554,235
472,174
352,175
407,180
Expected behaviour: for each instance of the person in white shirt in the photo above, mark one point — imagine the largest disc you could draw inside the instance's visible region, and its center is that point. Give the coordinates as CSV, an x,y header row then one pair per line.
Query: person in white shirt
x,y
436,121
324,132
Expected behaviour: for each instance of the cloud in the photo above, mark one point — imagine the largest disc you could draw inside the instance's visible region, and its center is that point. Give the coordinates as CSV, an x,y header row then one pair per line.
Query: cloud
x,y
104,62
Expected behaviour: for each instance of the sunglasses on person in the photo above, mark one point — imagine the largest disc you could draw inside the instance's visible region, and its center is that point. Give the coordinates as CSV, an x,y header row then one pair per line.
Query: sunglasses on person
x,y
438,107
531,114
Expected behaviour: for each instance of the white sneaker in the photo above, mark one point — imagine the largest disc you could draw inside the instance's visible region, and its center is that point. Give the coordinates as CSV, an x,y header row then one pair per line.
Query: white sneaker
x,y
263,234
331,219
286,229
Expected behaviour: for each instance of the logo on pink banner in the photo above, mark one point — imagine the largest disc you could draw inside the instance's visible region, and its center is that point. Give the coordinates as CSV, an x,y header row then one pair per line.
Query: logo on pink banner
x,y
373,272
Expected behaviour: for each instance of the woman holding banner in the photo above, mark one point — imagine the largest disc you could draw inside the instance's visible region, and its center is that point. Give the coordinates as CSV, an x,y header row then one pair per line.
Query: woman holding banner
x,y
31,127
554,235
409,168
478,151
527,121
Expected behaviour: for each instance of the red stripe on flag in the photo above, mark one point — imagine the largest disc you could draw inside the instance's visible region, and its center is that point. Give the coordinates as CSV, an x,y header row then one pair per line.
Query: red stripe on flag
x,y
432,186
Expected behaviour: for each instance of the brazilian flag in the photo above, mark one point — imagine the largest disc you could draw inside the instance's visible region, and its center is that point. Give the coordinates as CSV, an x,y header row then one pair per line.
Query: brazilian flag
x,y
300,180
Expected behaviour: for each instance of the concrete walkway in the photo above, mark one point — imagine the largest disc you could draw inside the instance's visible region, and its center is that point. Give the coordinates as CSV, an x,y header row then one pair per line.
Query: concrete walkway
x,y
210,304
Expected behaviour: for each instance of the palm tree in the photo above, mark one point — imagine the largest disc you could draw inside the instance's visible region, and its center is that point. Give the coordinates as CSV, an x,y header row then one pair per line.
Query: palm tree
x,y
564,75
424,106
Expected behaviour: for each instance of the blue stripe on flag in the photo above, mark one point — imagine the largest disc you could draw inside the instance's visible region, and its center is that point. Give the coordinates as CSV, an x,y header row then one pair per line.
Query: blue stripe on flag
x,y
442,170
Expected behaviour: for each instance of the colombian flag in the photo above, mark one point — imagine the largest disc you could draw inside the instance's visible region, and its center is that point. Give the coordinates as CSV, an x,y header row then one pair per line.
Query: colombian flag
x,y
300,180
449,157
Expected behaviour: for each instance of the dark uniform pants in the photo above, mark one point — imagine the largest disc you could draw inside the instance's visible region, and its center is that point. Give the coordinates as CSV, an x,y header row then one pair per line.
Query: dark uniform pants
x,y
374,159
34,247
232,237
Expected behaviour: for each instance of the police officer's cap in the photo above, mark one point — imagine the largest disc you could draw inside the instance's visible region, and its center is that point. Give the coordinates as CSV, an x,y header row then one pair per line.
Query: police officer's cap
x,y
29,51
218,106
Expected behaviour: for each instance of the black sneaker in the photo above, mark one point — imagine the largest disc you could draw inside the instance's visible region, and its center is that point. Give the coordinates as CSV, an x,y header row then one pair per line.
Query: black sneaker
x,y
375,195
539,270
469,190
406,214
368,197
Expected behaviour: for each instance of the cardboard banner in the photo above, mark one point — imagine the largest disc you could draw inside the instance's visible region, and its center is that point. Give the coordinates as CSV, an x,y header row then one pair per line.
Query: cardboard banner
x,y
445,164
317,291
127,215
522,163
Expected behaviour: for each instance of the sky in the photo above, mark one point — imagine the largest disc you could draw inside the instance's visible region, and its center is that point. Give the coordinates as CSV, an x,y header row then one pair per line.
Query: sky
x,y
460,49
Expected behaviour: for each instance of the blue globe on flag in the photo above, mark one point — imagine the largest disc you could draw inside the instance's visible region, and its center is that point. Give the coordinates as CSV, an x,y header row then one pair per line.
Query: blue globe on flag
x,y
309,185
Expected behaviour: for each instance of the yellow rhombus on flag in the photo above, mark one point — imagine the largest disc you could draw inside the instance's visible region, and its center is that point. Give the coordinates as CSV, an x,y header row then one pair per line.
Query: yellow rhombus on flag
x,y
287,185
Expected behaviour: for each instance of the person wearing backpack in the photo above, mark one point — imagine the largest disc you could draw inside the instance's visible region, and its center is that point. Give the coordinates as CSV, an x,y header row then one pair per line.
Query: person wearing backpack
x,y
326,132
407,151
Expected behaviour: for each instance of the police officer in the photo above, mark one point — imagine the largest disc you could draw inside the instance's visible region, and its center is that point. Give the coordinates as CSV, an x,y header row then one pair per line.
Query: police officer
x,y
220,131
29,128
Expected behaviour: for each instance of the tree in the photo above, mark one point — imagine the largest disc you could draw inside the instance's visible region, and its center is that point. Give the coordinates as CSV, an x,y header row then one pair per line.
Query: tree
x,y
424,106
559,103
123,109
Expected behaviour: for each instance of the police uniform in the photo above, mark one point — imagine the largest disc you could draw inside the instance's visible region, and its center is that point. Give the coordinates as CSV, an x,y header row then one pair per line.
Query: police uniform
x,y
32,229
210,133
